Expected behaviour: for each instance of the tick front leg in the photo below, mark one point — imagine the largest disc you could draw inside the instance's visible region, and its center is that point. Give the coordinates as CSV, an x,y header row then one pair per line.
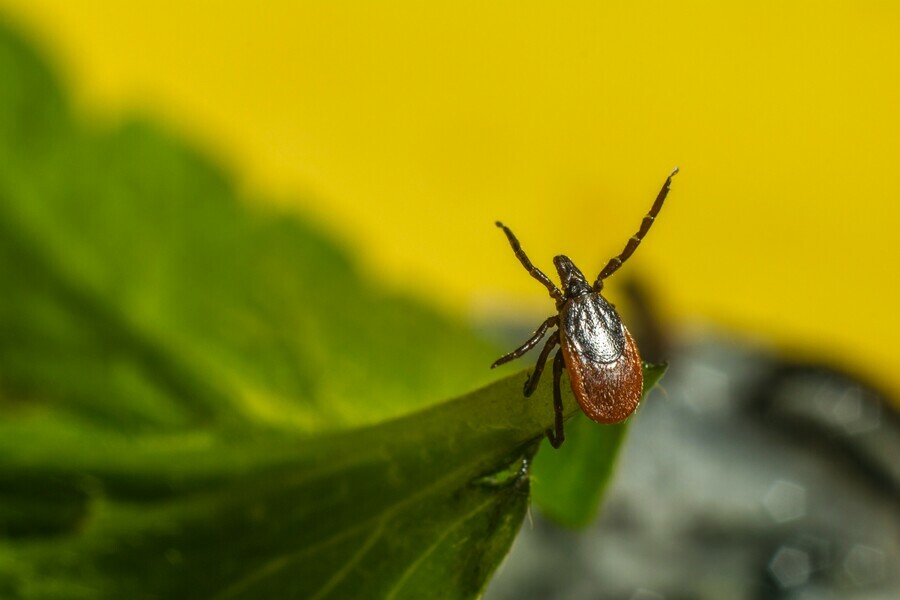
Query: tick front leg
x,y
557,438
532,382
635,241
531,343
533,270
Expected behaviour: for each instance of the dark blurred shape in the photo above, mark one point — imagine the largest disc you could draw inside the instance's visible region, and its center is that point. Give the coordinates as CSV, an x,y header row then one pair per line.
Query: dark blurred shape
x,y
643,321
41,507
751,477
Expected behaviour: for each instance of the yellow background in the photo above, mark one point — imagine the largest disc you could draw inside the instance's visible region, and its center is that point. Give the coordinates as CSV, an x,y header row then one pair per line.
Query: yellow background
x,y
409,127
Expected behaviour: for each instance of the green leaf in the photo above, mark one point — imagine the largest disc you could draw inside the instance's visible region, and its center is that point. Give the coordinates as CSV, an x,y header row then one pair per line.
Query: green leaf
x,y
569,483
202,398
393,510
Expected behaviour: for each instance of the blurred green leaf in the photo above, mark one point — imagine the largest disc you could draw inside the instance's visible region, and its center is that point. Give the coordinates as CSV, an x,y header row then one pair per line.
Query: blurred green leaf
x,y
202,398
568,484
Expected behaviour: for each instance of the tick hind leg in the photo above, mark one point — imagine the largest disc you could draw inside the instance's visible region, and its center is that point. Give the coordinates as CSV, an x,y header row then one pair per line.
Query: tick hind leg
x,y
558,437
531,343
532,382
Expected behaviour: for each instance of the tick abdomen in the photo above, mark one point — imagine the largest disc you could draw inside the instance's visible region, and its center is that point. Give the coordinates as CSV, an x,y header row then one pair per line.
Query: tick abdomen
x,y
602,359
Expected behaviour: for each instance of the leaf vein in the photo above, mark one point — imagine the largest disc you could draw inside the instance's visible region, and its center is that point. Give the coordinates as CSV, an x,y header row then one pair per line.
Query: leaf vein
x,y
415,564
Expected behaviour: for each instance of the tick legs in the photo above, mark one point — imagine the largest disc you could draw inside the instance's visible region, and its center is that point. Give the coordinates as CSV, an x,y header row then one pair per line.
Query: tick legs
x,y
616,262
558,437
531,343
532,382
533,270
558,434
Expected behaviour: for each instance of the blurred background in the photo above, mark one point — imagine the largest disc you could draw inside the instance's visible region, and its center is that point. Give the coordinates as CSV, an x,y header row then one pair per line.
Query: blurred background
x,y
768,282
411,129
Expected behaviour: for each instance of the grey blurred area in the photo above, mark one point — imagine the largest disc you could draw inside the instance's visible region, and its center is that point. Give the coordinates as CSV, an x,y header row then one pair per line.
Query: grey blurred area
x,y
747,477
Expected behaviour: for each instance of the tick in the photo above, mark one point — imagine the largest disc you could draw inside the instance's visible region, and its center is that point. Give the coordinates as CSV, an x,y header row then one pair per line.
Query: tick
x,y
603,361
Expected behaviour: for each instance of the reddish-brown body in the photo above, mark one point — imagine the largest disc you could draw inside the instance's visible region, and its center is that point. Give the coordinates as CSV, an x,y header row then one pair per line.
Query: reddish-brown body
x,y
606,392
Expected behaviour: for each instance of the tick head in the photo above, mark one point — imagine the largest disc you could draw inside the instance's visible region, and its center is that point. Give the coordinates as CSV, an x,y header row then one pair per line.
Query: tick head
x,y
573,282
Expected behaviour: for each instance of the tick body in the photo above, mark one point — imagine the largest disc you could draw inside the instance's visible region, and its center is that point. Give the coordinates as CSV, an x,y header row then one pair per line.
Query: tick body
x,y
602,360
